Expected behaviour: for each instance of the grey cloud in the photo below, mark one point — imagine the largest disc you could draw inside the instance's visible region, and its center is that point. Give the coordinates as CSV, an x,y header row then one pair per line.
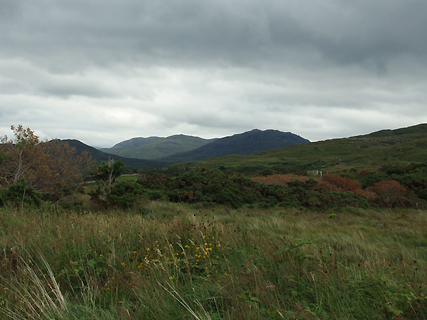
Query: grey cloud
x,y
81,33
67,88
376,32
10,87
21,77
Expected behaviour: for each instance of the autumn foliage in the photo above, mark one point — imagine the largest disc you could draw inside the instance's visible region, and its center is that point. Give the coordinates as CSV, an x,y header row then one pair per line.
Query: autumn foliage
x,y
390,187
336,183
328,182
50,167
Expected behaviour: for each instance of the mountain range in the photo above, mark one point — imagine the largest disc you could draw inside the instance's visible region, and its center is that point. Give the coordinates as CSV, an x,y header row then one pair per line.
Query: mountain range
x,y
258,150
157,152
242,144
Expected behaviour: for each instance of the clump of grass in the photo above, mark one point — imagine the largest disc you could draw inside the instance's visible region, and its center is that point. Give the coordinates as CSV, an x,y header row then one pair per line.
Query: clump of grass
x,y
35,294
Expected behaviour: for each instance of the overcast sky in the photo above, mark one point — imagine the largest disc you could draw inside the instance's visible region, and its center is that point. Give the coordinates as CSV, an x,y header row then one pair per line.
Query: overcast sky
x,y
103,71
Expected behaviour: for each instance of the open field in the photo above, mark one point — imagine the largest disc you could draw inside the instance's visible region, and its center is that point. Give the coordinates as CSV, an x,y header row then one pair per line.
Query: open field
x,y
174,261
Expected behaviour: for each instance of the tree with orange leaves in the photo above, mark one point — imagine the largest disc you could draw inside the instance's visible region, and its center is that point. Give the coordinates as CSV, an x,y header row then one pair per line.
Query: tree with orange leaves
x,y
19,155
50,167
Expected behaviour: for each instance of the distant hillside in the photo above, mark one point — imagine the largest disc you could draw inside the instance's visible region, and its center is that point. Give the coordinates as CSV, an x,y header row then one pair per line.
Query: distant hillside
x,y
420,128
371,151
244,143
100,156
155,147
131,143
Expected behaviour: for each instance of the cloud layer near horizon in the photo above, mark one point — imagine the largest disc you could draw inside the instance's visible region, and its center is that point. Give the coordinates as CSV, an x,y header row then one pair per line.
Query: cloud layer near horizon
x,y
106,71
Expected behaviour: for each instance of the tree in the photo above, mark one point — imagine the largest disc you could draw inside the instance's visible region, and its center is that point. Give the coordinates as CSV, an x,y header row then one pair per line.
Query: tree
x,y
19,155
108,172
50,167
63,168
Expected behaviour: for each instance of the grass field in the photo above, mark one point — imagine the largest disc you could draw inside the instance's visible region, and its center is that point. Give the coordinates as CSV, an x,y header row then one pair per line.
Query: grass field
x,y
173,261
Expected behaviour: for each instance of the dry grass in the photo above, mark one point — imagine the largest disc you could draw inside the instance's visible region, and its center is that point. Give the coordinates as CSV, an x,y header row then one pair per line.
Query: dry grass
x,y
180,262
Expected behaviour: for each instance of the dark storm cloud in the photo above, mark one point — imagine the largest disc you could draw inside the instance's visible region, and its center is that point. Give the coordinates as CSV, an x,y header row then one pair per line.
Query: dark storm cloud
x,y
73,34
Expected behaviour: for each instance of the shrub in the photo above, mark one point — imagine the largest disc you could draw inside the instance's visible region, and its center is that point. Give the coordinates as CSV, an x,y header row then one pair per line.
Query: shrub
x,y
370,178
342,183
207,186
389,187
20,194
390,194
279,179
124,194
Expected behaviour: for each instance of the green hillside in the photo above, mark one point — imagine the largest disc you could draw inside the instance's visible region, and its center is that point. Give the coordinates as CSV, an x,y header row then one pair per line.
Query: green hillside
x,y
160,147
421,128
134,142
401,146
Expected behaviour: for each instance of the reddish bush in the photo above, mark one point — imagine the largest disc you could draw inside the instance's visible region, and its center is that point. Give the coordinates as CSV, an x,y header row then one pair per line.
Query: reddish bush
x,y
328,186
389,187
342,183
336,183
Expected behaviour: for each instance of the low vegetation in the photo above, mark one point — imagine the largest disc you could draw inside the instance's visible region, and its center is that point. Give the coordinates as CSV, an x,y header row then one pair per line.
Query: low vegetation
x,y
197,243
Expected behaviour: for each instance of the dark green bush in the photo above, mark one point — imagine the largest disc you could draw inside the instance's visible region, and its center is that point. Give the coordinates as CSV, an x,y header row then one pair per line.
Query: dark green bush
x,y
235,190
373,177
124,194
207,186
20,194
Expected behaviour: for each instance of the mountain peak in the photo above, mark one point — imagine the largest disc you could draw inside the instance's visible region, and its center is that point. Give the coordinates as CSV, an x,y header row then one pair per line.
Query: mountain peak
x,y
243,143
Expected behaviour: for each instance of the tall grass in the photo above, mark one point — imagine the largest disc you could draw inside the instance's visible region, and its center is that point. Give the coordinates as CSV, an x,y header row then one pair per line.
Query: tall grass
x,y
183,262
